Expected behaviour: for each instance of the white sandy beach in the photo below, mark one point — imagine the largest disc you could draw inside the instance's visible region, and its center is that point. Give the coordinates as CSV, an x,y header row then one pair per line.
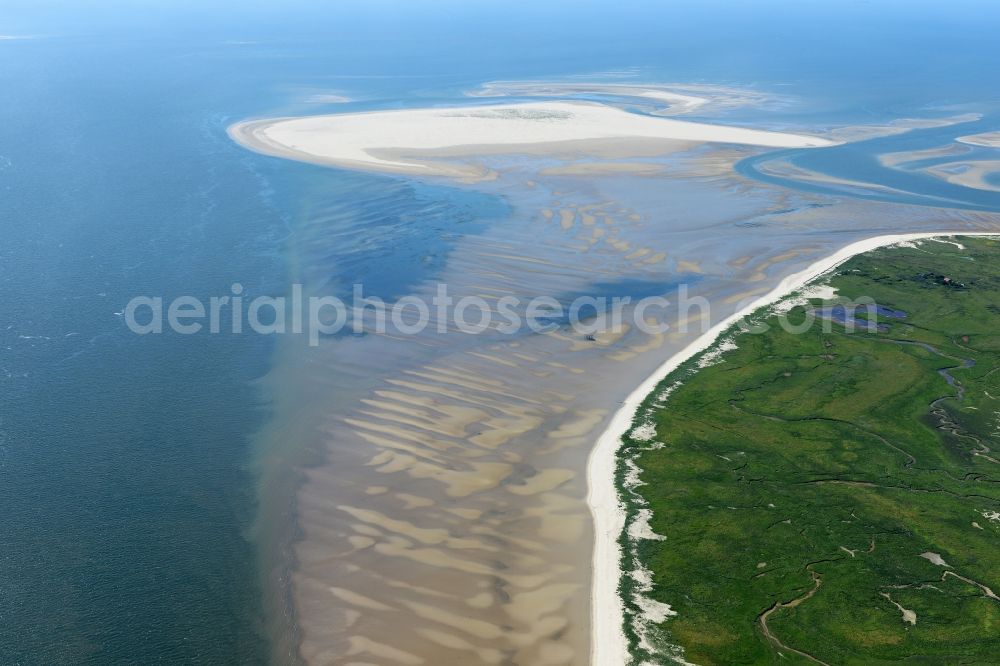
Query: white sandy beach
x,y
608,642
403,141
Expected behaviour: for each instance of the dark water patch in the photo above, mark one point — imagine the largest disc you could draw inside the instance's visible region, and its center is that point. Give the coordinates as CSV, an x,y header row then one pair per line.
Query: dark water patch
x,y
599,298
860,317
386,234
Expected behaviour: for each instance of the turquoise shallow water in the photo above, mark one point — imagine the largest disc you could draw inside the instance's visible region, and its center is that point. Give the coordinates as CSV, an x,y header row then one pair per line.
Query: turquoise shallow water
x,y
127,470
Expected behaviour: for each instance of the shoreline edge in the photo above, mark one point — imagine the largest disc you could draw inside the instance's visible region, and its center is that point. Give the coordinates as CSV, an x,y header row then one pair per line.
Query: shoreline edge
x,y
608,644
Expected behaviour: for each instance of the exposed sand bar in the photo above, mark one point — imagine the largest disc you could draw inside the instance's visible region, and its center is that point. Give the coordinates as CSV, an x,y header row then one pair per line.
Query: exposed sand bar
x,y
853,133
901,159
974,173
986,139
412,141
608,643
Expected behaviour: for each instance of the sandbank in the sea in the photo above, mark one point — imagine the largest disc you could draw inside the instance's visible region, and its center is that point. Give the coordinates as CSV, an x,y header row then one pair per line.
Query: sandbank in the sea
x,y
416,141
986,139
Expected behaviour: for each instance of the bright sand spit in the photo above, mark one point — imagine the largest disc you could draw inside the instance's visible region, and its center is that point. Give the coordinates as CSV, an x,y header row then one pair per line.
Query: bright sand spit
x,y
414,140
609,646
987,139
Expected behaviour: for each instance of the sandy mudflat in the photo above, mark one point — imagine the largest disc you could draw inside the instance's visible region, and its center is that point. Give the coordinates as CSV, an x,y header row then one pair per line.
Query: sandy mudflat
x,y
608,643
987,139
675,98
677,102
604,169
855,133
906,157
412,140
974,173
445,520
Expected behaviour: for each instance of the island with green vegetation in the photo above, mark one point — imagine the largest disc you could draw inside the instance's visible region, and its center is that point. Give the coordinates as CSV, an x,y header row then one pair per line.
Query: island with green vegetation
x,y
828,493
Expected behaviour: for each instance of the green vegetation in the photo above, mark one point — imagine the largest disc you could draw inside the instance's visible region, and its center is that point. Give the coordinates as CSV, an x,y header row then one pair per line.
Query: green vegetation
x,y
801,478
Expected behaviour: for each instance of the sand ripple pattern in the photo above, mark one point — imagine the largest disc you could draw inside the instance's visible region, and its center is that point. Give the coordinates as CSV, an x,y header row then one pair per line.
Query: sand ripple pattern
x,y
445,521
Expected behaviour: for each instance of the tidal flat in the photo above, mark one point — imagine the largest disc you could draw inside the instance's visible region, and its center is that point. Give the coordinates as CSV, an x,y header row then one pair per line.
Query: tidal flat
x,y
447,473
447,484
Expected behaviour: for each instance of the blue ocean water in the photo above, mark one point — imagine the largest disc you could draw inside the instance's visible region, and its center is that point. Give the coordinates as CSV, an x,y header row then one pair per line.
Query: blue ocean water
x,y
124,488
128,487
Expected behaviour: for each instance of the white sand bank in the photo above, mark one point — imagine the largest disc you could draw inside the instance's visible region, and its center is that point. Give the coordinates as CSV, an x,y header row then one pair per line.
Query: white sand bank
x,y
987,139
972,174
415,140
609,646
